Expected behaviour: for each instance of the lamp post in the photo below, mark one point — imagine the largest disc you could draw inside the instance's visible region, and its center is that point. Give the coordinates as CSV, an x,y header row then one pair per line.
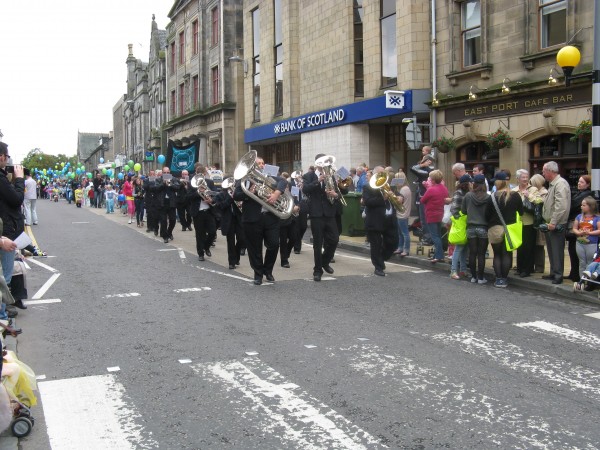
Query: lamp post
x,y
568,57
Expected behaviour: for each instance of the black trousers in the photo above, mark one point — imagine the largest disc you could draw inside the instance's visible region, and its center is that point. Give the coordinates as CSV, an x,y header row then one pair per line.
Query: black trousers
x,y
152,218
168,217
302,225
206,230
266,230
184,216
525,253
287,239
235,241
383,243
325,240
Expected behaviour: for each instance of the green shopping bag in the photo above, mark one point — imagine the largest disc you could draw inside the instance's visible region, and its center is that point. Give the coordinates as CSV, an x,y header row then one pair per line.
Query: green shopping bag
x,y
514,235
458,231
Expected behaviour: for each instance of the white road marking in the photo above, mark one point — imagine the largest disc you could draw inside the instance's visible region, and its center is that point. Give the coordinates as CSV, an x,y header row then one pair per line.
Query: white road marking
x,y
514,357
35,261
78,222
39,294
185,361
91,413
41,302
494,422
421,271
40,377
578,337
181,253
310,346
225,274
594,315
322,279
27,266
363,339
167,250
251,353
192,289
130,294
113,369
282,409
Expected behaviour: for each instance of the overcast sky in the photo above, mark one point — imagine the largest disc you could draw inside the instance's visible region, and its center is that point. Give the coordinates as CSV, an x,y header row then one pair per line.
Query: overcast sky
x,y
62,67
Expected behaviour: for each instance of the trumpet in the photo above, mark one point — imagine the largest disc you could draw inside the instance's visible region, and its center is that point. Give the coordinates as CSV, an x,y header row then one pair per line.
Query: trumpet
x,y
380,181
228,184
326,163
199,182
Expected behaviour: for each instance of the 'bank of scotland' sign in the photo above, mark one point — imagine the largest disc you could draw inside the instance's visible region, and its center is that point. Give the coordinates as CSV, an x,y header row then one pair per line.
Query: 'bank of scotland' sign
x,y
394,99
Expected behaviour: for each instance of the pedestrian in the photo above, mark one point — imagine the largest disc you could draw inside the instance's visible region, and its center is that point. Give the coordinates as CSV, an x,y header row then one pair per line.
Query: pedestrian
x,y
138,199
129,199
474,206
434,200
183,205
29,203
202,211
405,198
585,228
537,197
458,267
583,190
525,251
421,171
110,195
503,206
78,196
556,214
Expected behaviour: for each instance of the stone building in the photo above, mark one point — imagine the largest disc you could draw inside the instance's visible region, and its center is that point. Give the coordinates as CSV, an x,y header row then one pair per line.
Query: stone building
x,y
203,85
93,146
496,69
317,77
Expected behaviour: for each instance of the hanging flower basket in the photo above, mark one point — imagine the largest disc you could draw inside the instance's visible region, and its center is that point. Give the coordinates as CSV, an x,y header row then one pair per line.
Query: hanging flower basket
x,y
444,144
499,139
583,131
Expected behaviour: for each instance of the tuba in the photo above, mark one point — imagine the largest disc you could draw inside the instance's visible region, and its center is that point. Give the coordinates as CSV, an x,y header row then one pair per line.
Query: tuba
x,y
326,164
199,182
227,185
380,181
246,170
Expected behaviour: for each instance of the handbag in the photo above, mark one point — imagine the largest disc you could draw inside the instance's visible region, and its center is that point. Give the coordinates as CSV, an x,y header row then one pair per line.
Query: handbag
x,y
513,233
458,231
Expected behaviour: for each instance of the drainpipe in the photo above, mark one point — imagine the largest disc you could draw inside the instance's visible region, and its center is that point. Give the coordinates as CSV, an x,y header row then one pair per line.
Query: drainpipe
x,y
433,71
222,87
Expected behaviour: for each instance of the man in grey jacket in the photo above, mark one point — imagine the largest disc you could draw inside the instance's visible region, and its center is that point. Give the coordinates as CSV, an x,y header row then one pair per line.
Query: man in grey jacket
x,y
556,214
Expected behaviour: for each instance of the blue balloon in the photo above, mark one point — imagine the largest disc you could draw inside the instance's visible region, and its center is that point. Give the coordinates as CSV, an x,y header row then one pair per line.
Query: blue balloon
x,y
109,172
131,173
161,159
120,175
121,197
101,160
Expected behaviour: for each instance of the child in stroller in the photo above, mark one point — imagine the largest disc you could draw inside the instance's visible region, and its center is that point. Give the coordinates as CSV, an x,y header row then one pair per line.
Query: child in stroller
x,y
590,277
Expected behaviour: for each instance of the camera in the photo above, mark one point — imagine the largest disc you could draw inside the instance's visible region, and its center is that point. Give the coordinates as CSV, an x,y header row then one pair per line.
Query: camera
x,y
10,169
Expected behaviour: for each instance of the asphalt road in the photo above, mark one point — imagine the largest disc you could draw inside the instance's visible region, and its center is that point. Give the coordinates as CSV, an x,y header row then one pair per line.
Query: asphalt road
x,y
144,346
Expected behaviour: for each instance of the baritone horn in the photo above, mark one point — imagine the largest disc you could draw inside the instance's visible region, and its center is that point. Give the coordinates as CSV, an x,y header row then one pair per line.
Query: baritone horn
x,y
326,163
228,184
247,171
199,183
380,181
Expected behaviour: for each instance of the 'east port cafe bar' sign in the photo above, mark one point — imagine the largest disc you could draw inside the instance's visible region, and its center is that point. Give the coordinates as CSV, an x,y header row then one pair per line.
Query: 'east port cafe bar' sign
x,y
553,98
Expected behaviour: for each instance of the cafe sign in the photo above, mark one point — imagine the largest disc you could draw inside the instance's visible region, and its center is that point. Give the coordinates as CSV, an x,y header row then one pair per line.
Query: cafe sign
x,y
521,104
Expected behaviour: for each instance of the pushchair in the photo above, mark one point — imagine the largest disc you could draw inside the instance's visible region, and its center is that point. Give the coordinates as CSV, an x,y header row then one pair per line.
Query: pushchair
x,y
19,381
416,228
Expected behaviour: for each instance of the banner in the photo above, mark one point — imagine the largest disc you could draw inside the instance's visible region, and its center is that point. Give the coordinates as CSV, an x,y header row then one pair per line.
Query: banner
x,y
182,158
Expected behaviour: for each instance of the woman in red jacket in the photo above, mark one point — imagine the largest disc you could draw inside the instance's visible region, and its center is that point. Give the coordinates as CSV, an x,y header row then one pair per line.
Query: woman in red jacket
x,y
128,193
434,200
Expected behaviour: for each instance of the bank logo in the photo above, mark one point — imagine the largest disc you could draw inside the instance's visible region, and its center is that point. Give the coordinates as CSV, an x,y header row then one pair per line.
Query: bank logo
x,y
277,128
394,99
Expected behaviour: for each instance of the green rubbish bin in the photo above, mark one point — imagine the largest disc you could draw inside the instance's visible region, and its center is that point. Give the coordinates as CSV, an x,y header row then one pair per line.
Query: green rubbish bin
x,y
352,221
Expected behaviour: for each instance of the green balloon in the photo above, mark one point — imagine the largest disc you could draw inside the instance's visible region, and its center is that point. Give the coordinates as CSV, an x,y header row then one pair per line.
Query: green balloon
x,y
137,167
126,167
113,165
104,171
130,163
89,174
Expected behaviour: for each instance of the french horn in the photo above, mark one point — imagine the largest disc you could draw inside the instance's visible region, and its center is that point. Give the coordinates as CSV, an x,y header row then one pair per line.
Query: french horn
x,y
247,172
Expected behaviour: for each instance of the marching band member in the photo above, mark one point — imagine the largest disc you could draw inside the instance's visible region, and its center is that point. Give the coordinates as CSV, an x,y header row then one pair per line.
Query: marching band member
x,y
231,222
183,210
288,231
260,225
201,211
322,220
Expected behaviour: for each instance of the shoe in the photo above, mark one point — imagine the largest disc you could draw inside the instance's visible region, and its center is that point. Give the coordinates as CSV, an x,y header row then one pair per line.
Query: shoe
x,y
379,273
473,280
19,304
455,276
547,277
258,281
462,274
435,260
166,240
171,237
190,229
524,275
483,281
207,252
237,263
317,277
213,244
297,252
11,313
38,252
397,251
231,266
328,269
242,252
129,222
558,280
595,276
184,229
148,230
587,273
155,232
332,261
201,258
286,265
500,283
403,254
269,277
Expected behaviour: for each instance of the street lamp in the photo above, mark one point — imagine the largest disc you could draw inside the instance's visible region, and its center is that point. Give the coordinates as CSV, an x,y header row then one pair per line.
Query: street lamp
x,y
567,58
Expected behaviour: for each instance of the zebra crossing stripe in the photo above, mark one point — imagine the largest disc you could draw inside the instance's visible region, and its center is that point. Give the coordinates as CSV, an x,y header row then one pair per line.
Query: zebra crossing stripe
x,y
91,413
528,361
494,422
579,337
300,420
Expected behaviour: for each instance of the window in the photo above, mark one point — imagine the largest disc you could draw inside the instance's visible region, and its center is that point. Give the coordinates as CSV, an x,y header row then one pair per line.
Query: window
x,y
172,60
195,35
553,22
173,103
278,59
181,98
215,84
256,63
181,47
389,61
195,93
359,79
471,32
214,18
